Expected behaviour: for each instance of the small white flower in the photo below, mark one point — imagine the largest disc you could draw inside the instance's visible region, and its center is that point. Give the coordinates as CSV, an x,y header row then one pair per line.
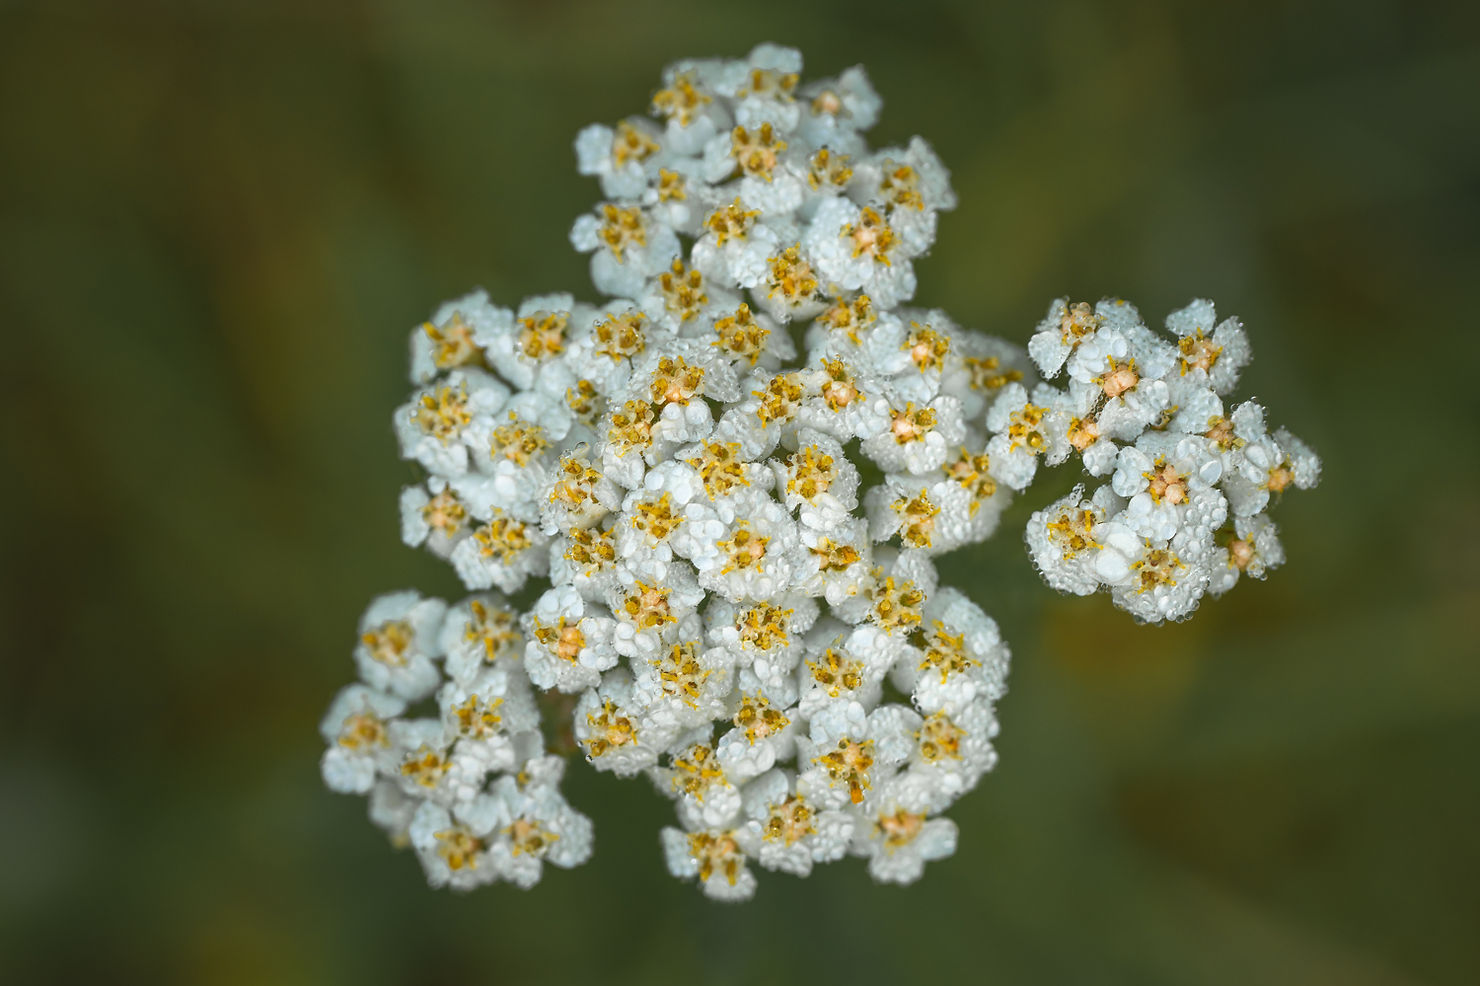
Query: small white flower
x,y
626,245
398,643
1154,580
612,728
744,547
1025,431
541,828
1212,353
570,641
714,856
625,159
963,658
836,565
447,340
816,481
918,438
355,727
425,764
502,553
763,733
857,249
837,110
952,752
434,427
1253,549
847,664
896,835
705,795
453,853
784,832
685,685
480,632
848,751
486,713
1064,538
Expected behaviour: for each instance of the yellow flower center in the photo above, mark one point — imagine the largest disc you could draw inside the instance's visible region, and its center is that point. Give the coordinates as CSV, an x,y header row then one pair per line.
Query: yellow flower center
x,y
850,764
452,342
443,414
757,150
917,519
681,100
730,222
542,335
947,654
502,536
792,277
683,290
745,549
389,642
495,628
758,719
620,336
680,673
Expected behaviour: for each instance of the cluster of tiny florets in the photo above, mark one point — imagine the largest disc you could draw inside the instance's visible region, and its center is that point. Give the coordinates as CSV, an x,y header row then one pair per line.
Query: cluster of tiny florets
x,y
720,494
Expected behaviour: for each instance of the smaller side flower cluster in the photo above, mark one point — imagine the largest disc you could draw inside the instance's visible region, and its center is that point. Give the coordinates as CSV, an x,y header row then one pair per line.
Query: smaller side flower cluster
x,y
468,784
1190,478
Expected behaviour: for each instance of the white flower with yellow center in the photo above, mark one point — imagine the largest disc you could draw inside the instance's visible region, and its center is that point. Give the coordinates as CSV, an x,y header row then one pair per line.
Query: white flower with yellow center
x,y
764,732
714,857
685,685
627,247
504,551
704,795
1154,580
436,428
784,832
744,546
613,729
478,633
845,664
856,248
651,614
897,836
570,641
398,644
625,158
443,512
536,826
918,438
1025,431
836,565
424,763
1065,536
962,656
952,752
1252,548
358,741
1169,487
448,339
848,752
454,853
486,713
1207,350
816,480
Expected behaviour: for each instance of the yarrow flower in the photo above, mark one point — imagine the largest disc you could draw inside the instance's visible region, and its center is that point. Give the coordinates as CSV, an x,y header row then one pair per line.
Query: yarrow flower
x,y
722,491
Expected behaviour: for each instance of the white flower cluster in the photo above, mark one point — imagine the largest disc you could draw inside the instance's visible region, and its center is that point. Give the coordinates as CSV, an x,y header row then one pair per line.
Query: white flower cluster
x,y
726,550
1183,512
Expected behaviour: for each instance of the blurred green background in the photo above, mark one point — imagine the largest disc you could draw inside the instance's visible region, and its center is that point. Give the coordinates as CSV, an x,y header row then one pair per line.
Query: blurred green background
x,y
218,222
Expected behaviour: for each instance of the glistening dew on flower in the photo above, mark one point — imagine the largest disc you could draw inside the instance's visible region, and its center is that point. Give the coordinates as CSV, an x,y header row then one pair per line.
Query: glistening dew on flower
x,y
724,549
